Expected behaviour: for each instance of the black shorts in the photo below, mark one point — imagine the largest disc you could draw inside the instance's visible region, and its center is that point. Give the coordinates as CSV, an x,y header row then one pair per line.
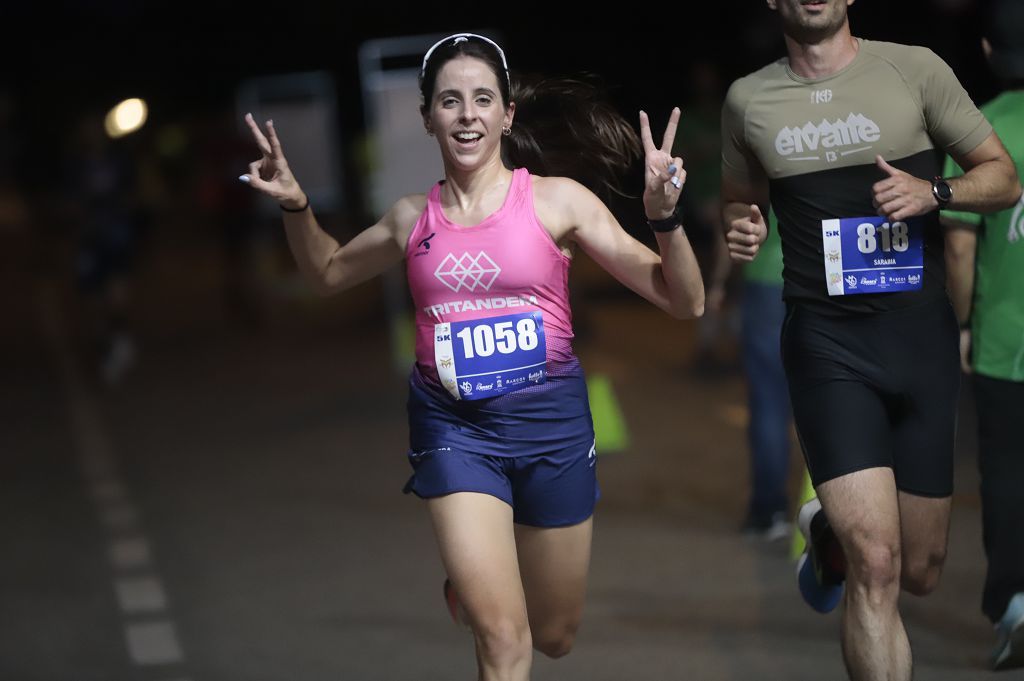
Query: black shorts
x,y
876,390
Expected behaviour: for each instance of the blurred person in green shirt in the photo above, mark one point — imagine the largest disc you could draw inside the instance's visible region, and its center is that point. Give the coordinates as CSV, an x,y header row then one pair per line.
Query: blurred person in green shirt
x,y
985,255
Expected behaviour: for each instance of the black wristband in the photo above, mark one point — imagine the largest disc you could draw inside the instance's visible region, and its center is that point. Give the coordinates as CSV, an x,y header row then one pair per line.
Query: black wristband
x,y
295,210
665,224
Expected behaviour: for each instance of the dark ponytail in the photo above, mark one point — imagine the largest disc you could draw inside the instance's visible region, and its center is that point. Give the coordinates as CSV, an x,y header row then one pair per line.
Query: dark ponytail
x,y
567,127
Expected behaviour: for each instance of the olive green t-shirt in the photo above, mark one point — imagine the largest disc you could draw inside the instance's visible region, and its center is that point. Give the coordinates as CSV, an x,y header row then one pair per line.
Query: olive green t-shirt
x,y
816,140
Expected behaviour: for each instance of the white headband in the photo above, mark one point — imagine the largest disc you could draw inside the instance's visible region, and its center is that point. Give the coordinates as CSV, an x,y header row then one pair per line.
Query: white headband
x,y
460,38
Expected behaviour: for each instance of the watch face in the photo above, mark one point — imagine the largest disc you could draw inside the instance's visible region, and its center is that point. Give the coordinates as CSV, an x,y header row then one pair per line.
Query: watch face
x,y
942,191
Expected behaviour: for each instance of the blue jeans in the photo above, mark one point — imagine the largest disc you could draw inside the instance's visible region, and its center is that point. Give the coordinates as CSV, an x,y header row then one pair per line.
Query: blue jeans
x,y
762,313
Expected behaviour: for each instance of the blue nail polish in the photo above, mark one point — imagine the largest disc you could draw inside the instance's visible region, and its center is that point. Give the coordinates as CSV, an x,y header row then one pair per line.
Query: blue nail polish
x,y
672,169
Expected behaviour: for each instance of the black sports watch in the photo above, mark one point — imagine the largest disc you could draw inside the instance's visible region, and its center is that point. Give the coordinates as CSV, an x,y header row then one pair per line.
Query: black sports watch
x,y
942,191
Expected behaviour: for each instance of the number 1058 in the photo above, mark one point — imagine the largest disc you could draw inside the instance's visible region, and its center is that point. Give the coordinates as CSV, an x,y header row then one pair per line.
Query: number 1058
x,y
482,340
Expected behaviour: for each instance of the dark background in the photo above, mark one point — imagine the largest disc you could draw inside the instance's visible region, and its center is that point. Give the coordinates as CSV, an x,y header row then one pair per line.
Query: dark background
x,y
257,432
66,64
186,58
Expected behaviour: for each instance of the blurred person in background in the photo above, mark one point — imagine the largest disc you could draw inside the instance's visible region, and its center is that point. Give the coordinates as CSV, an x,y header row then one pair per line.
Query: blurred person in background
x,y
699,142
762,311
109,221
985,255
229,208
14,208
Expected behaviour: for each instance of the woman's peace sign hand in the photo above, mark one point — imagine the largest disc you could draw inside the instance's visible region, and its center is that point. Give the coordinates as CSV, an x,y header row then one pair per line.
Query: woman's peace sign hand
x,y
271,175
663,175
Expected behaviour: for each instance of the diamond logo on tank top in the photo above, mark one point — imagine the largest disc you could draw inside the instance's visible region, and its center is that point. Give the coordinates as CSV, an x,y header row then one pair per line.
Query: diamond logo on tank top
x,y
467,272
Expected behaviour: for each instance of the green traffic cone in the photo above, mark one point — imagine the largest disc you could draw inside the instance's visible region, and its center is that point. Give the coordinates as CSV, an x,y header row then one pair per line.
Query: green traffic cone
x,y
806,494
610,429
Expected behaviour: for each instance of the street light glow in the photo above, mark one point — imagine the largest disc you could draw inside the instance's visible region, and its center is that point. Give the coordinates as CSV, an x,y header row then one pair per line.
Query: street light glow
x,y
126,117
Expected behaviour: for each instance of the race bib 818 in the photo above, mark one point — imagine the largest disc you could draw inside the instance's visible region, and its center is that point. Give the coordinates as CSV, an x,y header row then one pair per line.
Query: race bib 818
x,y
872,255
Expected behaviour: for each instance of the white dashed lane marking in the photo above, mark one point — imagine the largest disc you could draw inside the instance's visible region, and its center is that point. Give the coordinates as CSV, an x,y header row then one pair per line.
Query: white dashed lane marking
x,y
140,595
153,643
137,587
129,553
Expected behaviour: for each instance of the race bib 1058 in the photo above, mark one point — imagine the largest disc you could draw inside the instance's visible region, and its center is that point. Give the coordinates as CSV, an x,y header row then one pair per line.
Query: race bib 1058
x,y
491,356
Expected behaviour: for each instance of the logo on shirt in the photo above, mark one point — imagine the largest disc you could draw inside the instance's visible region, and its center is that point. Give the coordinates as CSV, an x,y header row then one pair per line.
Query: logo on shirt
x,y
1016,231
425,452
424,246
851,281
468,272
835,139
443,308
821,96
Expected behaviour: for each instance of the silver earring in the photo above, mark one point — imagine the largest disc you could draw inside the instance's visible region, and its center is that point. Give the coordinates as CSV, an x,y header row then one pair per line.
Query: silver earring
x,y
506,131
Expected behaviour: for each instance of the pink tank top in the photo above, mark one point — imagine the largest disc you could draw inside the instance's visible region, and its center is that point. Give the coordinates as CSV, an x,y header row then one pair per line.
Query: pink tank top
x,y
506,265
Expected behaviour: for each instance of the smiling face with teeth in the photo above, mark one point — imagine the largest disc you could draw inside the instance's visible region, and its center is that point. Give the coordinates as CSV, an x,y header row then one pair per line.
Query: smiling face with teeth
x,y
811,21
467,114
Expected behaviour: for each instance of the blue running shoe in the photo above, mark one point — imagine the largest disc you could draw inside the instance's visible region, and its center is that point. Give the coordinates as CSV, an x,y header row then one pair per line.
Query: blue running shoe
x,y
819,579
1009,651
